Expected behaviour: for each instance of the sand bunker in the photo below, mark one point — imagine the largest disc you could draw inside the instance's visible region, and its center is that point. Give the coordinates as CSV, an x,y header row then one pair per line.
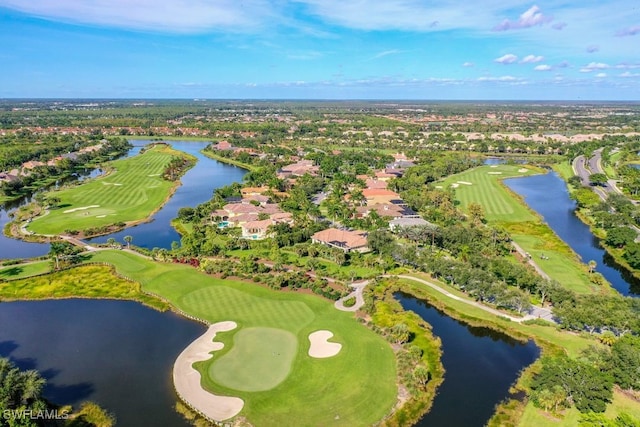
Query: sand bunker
x,y
155,174
80,209
464,183
523,170
493,166
438,186
187,380
321,348
454,185
100,216
494,173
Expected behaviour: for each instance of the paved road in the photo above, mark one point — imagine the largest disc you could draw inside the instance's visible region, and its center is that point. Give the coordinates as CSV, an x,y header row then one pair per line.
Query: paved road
x,y
584,168
357,293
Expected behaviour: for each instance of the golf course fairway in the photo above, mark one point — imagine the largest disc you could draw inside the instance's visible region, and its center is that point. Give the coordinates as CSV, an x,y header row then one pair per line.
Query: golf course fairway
x,y
265,360
130,193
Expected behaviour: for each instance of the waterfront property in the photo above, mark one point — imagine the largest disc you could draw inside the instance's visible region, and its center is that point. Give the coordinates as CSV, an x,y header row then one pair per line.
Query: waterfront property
x,y
132,192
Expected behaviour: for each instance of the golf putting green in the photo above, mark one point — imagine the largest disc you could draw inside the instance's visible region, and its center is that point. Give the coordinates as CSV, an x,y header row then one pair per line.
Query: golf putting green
x,y
260,359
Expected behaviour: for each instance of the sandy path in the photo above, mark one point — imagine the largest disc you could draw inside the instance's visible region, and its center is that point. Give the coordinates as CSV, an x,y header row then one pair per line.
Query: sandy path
x,y
187,380
81,209
320,347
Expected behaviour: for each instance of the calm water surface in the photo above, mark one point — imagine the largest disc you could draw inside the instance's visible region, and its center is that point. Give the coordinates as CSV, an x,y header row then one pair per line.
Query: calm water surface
x,y
481,365
548,196
119,354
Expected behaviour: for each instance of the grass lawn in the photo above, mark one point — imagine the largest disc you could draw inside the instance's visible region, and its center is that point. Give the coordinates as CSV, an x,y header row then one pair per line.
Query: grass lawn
x,y
570,418
482,185
131,192
260,359
503,208
564,169
19,271
355,387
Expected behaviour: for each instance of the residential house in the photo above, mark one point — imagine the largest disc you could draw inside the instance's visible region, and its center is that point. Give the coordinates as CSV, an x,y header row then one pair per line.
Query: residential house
x,y
342,239
379,195
256,230
405,222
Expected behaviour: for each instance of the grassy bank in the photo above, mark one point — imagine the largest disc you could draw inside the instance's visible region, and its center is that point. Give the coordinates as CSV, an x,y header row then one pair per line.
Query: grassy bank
x,y
339,387
90,281
20,271
503,208
210,154
131,193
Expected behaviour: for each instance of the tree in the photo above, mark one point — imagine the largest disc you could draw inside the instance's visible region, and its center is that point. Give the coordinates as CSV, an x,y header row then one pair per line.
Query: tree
x,y
598,179
111,242
476,213
625,362
421,375
381,242
400,333
592,266
128,240
586,386
620,236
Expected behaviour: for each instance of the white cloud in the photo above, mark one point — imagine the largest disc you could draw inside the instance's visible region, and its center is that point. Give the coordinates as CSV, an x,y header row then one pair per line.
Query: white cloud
x,y
468,64
498,79
532,17
174,16
532,59
509,58
601,75
543,67
593,66
386,53
628,74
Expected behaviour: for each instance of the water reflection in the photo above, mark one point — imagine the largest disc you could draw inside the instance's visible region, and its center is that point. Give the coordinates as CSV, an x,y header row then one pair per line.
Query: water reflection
x,y
480,363
548,196
117,353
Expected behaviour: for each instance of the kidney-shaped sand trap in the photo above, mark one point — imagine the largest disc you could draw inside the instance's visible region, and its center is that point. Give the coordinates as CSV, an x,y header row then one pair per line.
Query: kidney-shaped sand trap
x,y
320,346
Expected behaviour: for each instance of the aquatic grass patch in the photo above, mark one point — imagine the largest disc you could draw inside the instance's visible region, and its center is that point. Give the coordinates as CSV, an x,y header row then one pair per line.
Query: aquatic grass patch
x,y
131,192
89,281
340,390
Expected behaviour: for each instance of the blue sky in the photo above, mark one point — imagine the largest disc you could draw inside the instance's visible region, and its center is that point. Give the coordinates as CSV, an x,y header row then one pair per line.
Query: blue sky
x,y
320,49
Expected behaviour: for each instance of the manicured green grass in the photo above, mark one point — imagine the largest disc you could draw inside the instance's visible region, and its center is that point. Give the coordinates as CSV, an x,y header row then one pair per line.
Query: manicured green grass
x,y
564,169
19,271
570,418
355,387
506,209
88,281
487,190
560,264
131,192
260,359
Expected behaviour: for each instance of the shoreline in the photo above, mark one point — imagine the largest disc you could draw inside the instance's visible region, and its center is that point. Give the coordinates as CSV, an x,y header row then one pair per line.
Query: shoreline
x,y
13,229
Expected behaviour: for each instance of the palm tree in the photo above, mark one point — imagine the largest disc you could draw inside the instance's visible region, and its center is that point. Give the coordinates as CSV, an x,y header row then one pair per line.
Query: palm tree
x,y
128,239
32,384
111,242
592,266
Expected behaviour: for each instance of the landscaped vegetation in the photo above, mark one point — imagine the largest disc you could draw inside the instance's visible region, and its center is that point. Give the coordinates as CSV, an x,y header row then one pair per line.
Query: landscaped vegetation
x,y
346,374
254,253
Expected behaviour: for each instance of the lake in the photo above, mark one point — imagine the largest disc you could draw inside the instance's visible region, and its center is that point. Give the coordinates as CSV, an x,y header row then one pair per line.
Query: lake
x,y
119,354
480,363
548,195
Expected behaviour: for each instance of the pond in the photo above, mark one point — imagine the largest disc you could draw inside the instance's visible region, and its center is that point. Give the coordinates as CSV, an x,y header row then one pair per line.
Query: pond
x,y
119,354
548,196
480,363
